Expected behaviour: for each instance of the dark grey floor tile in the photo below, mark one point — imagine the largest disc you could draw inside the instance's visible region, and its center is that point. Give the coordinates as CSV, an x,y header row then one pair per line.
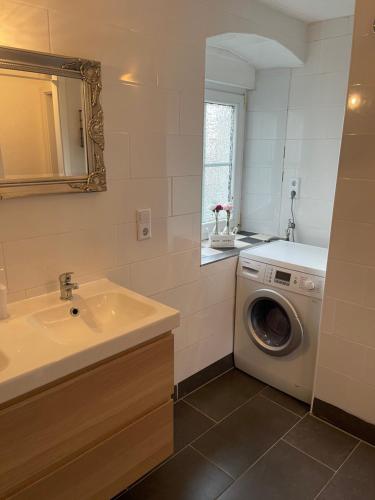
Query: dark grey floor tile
x,y
298,407
322,441
284,473
236,442
224,394
203,376
356,479
188,424
187,476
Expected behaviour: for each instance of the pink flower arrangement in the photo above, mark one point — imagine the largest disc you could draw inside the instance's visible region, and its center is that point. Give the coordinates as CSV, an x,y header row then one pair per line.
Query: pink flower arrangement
x,y
228,207
216,208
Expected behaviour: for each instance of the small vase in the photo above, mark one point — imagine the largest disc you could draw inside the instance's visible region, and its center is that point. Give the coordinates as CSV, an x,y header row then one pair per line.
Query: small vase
x,y
216,228
227,227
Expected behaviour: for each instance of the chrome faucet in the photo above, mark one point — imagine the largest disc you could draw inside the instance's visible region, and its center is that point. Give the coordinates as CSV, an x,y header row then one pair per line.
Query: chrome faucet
x,y
66,286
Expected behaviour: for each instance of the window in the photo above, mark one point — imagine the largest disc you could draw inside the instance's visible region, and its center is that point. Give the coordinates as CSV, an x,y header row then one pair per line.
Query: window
x,y
223,140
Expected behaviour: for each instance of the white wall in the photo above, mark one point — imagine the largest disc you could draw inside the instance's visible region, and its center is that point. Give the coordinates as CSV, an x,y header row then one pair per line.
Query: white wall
x,y
311,119
346,359
315,120
264,151
224,68
22,125
153,53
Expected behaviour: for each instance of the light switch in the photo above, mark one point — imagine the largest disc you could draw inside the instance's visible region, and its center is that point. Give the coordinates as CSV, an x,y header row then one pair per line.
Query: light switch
x,y
144,224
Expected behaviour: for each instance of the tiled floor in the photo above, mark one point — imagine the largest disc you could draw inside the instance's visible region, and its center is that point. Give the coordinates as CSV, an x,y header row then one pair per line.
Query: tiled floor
x,y
237,439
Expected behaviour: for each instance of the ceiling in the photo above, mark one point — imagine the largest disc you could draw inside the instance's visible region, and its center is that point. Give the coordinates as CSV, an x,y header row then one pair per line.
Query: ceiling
x,y
256,50
313,10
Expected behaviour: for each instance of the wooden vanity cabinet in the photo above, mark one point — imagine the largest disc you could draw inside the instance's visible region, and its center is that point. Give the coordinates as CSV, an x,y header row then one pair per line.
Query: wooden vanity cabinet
x,y
91,434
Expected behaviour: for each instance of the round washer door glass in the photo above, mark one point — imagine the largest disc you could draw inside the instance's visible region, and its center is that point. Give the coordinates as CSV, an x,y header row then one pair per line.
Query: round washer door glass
x,y
270,322
273,324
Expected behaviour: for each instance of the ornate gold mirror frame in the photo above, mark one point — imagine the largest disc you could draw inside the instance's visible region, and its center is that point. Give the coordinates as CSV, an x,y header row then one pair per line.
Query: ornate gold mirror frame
x,y
89,72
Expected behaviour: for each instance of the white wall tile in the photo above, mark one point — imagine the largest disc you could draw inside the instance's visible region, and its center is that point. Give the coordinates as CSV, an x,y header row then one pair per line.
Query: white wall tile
x,y
314,32
314,130
185,298
191,113
186,194
153,79
133,61
84,251
220,266
131,250
263,181
345,370
180,66
76,211
24,26
355,323
272,90
119,275
341,356
361,71
304,91
183,232
327,322
313,60
360,400
266,124
369,371
333,88
150,277
361,120
144,193
345,281
331,386
165,272
216,345
354,242
141,109
315,123
340,26
117,155
184,267
355,200
148,155
357,159
263,153
184,155
336,54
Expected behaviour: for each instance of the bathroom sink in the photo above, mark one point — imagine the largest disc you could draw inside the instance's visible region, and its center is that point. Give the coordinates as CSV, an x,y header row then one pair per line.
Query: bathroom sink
x,y
46,338
112,311
76,320
70,323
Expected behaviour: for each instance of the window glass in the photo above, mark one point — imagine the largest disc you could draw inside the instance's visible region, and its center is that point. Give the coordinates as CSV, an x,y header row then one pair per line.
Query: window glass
x,y
218,156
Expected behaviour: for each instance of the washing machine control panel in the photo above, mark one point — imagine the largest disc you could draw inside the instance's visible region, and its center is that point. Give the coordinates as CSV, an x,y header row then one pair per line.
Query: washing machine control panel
x,y
296,281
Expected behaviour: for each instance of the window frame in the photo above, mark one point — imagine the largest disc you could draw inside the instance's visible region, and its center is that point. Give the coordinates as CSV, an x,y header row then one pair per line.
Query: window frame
x,y
238,101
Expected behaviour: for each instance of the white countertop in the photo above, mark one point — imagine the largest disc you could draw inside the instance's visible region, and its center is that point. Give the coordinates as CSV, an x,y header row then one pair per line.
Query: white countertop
x,y
31,357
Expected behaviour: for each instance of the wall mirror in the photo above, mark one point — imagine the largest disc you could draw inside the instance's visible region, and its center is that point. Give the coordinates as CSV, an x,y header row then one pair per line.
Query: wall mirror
x,y
51,124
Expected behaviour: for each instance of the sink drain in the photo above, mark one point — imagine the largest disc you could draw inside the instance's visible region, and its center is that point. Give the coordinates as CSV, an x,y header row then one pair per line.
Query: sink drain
x,y
74,311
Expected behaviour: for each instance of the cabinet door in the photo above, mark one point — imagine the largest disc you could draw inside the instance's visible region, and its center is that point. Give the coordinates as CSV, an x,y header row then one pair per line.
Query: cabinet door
x,y
114,464
53,426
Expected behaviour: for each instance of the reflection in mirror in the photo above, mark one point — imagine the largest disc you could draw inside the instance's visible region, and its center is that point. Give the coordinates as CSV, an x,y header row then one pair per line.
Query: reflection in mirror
x,y
51,124
42,126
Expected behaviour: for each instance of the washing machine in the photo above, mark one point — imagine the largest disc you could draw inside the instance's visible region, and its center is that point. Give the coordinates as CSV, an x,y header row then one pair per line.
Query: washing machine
x,y
278,305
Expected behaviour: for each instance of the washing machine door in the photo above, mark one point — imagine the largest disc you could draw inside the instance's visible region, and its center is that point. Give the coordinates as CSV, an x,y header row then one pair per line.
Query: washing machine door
x,y
272,323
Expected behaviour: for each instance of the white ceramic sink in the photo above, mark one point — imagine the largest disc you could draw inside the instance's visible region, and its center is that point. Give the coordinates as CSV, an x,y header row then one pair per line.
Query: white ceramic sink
x,y
76,320
46,338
